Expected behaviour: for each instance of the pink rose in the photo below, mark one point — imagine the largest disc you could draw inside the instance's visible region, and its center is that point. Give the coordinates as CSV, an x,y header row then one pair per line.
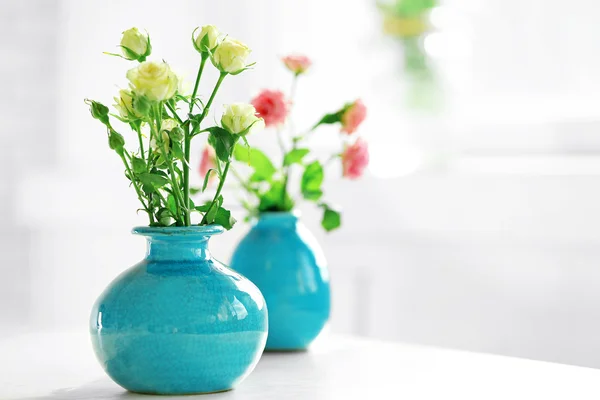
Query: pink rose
x,y
207,161
296,63
271,106
353,116
355,159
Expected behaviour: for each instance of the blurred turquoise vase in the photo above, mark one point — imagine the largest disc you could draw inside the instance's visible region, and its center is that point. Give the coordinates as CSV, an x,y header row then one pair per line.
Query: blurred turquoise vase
x,y
179,322
285,261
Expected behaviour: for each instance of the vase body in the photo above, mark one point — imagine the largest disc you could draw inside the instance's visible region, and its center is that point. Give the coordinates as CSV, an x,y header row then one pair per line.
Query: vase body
x,y
179,322
285,261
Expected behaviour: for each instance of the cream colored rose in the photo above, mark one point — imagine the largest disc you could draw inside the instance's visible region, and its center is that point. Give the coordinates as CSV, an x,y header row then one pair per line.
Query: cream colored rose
x,y
239,117
162,140
135,44
154,80
207,39
168,124
230,56
124,104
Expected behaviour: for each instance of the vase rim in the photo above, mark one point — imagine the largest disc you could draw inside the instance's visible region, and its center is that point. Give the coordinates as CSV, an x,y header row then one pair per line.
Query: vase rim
x,y
177,231
294,213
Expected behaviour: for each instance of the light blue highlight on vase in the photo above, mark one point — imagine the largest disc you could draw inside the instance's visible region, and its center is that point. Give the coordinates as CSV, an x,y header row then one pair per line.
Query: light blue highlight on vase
x,y
179,322
285,261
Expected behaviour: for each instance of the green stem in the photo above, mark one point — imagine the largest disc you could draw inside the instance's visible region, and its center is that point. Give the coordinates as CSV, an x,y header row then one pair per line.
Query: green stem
x,y
187,144
217,193
162,198
200,69
137,189
142,152
280,141
170,107
175,188
212,96
286,170
186,176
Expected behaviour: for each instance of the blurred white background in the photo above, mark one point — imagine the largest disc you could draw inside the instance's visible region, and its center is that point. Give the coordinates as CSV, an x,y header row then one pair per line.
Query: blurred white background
x,y
478,226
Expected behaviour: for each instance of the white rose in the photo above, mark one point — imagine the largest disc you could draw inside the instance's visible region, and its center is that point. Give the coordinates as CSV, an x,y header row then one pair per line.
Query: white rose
x,y
238,117
207,39
124,104
135,45
154,80
168,124
230,56
163,139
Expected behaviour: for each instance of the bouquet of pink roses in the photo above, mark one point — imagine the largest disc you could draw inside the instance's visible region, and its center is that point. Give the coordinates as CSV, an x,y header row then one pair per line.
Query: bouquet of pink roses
x,y
268,184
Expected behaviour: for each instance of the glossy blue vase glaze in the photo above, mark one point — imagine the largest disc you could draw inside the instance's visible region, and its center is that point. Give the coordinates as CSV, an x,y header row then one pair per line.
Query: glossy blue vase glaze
x,y
179,322
285,261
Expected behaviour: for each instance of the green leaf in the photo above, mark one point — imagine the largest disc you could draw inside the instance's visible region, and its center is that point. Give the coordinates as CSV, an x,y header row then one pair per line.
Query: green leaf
x,y
295,156
257,160
148,189
177,151
331,118
223,217
195,120
160,162
311,182
195,190
177,97
172,205
312,195
222,141
139,165
135,124
275,199
256,178
203,208
155,200
142,105
211,214
207,178
154,180
332,219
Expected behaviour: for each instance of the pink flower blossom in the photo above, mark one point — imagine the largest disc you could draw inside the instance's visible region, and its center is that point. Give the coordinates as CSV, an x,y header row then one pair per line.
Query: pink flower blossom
x,y
207,161
355,159
271,106
297,63
353,116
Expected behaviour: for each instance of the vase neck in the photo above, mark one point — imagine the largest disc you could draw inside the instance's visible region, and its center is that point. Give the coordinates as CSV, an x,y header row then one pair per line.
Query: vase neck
x,y
278,220
177,250
178,244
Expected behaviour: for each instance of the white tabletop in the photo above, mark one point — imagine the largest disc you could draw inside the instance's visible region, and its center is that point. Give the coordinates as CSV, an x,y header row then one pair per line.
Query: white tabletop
x,y
62,366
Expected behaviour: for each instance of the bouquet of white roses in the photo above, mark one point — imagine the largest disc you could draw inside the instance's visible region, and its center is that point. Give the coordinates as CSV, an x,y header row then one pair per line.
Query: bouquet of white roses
x,y
165,120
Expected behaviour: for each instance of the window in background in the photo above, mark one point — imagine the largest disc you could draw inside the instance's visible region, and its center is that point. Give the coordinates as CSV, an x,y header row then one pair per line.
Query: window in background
x,y
512,82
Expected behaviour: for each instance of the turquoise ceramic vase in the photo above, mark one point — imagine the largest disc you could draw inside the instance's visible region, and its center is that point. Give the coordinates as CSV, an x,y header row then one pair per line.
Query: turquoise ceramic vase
x,y
285,261
179,322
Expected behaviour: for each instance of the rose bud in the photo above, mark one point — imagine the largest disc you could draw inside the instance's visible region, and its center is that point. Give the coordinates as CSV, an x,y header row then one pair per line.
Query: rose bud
x,y
355,159
298,64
